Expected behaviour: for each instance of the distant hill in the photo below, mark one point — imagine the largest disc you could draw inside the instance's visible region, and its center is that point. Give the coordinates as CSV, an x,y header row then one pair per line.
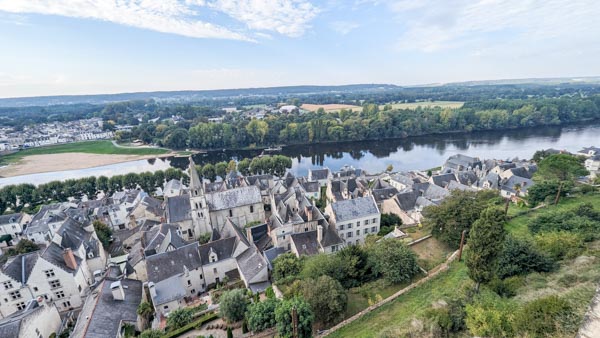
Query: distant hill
x,y
191,95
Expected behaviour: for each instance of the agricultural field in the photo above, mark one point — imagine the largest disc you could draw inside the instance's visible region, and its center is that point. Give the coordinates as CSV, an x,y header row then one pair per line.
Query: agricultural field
x,y
330,107
414,105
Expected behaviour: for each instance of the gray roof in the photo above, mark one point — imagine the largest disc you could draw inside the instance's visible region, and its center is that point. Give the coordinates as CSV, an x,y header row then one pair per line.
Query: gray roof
x,y
10,326
10,218
251,263
233,198
319,174
384,193
195,182
54,254
19,268
223,248
167,264
330,236
407,200
462,162
306,243
354,208
524,183
166,232
168,290
153,205
443,180
273,253
107,314
466,177
179,208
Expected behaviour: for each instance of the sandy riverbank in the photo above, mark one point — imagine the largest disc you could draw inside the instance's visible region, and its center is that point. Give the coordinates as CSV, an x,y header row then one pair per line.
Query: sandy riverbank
x,y
35,164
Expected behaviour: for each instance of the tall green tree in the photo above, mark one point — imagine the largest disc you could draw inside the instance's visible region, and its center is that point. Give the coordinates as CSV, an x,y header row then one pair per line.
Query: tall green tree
x,y
233,305
261,315
485,244
393,260
285,266
327,298
283,317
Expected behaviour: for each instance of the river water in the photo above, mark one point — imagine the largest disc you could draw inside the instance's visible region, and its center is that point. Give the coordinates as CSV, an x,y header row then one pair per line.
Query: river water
x,y
422,152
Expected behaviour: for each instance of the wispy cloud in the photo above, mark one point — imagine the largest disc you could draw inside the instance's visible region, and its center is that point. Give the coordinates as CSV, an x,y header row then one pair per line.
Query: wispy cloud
x,y
182,17
344,27
431,25
287,17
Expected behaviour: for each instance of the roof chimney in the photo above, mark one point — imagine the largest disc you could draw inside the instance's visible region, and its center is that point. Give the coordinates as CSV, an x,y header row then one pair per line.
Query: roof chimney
x,y
249,235
319,233
69,259
117,290
152,289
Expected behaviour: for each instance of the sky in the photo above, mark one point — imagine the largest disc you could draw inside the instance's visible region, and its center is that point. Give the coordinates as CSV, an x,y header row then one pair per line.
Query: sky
x,y
58,47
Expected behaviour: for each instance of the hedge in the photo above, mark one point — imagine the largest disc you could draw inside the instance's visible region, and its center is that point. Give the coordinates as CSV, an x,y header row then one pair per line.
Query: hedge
x,y
204,319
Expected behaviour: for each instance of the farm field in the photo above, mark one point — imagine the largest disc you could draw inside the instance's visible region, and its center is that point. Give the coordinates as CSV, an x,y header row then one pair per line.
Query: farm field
x,y
414,105
330,107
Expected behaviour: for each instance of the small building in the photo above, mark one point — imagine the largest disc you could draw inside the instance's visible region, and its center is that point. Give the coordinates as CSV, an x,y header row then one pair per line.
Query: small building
x,y
354,219
37,320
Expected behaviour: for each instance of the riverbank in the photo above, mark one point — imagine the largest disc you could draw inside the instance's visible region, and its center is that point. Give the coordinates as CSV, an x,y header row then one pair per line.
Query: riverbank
x,y
35,164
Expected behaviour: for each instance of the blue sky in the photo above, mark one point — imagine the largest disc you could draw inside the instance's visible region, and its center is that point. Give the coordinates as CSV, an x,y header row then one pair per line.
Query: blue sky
x,y
52,47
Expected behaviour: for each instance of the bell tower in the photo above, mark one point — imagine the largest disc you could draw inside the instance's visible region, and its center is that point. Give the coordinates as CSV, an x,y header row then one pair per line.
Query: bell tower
x,y
200,212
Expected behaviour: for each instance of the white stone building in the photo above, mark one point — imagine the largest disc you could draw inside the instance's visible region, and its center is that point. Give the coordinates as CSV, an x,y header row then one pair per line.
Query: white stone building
x,y
355,219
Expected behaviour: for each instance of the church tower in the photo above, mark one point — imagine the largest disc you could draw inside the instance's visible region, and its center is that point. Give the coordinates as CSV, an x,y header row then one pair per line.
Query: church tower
x,y
200,215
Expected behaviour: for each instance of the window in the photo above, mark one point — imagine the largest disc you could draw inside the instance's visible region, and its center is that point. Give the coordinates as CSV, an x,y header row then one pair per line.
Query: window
x,y
305,229
366,222
49,273
197,206
374,229
35,288
374,220
193,291
54,284
15,295
46,297
251,209
341,227
67,304
59,294
357,232
21,306
214,270
230,213
349,234
7,285
357,224
366,231
201,276
189,282
166,307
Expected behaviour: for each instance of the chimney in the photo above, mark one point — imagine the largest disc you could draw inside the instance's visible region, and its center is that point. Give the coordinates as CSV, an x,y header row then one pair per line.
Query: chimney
x,y
69,259
117,290
319,233
309,213
249,235
152,289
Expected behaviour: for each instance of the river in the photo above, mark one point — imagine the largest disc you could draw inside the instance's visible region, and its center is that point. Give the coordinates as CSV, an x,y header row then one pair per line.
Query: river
x,y
421,152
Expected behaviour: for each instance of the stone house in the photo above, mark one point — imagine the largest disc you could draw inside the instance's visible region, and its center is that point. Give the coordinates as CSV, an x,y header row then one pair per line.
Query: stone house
x,y
355,218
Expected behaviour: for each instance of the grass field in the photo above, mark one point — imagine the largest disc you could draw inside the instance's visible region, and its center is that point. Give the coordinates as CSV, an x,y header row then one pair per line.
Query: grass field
x,y
575,279
431,253
330,107
90,147
414,105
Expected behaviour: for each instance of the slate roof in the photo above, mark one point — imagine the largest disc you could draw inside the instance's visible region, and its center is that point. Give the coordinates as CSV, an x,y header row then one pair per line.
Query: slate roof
x,y
466,177
330,236
311,187
54,254
251,263
153,205
521,172
168,290
401,178
233,198
354,208
318,174
407,200
10,218
173,184
306,243
19,268
73,234
273,253
179,208
10,326
223,248
443,180
107,314
166,264
462,162
509,184
166,232
384,193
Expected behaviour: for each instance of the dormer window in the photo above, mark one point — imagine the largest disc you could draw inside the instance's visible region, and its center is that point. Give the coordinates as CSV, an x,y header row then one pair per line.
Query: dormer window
x,y
230,213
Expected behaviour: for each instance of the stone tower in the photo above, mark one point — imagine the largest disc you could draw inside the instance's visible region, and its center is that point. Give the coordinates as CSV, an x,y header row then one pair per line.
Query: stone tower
x,y
200,213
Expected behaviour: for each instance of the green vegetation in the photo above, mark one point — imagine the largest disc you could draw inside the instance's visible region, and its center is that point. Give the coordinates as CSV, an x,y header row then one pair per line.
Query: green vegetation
x,y
539,296
91,147
423,104
192,325
104,233
233,305
283,317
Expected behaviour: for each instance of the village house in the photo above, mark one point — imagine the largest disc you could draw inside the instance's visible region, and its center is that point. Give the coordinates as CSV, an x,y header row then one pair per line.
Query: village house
x,y
355,218
11,227
38,319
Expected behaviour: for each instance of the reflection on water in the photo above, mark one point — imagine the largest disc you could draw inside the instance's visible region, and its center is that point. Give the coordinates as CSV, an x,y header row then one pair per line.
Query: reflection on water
x,y
374,156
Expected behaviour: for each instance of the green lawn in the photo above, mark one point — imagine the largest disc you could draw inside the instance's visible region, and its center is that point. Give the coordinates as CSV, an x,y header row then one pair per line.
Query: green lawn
x,y
90,147
358,298
400,312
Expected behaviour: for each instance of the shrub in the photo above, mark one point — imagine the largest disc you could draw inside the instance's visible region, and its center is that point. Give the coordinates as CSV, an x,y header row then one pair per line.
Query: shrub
x,y
393,260
327,298
194,325
233,305
286,266
269,293
487,317
179,318
151,334
560,244
448,318
261,316
506,287
542,317
229,333
519,256
283,317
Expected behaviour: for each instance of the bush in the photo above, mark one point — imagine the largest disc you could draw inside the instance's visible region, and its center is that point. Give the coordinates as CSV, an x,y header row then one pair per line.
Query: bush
x,y
506,287
448,318
261,316
269,293
283,317
393,260
519,256
327,298
560,244
151,334
179,318
286,266
229,333
194,325
233,305
542,317
489,318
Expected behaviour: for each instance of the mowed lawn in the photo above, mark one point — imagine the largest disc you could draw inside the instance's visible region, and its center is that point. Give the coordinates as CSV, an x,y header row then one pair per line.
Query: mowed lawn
x,y
414,105
413,304
91,147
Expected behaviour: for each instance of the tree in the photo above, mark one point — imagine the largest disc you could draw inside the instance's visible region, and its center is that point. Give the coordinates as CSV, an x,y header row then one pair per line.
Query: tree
x,y
389,168
393,260
562,167
221,169
520,256
485,243
145,310
177,139
179,318
231,166
355,266
283,318
208,172
233,305
456,213
25,246
103,232
261,315
285,266
327,298
257,129
151,334
244,166
388,223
